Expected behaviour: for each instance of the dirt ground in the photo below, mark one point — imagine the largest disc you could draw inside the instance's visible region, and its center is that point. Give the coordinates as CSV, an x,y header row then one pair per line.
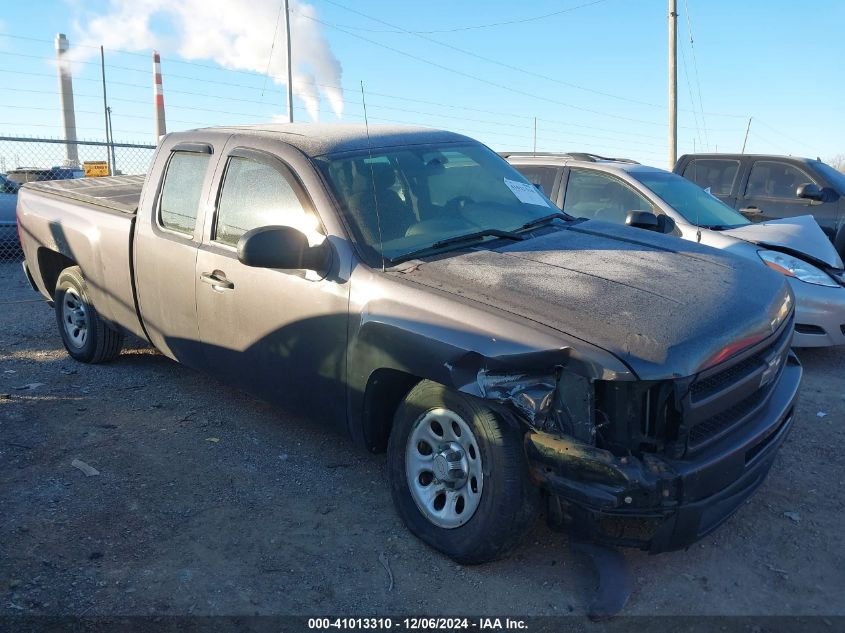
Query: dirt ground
x,y
210,502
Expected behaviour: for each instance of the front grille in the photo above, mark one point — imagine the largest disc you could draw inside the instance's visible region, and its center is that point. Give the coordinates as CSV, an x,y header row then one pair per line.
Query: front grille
x,y
701,389
714,425
722,399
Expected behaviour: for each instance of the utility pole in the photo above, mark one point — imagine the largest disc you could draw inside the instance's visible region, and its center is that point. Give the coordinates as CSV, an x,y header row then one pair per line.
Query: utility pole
x,y
109,147
535,136
113,171
745,140
290,64
673,83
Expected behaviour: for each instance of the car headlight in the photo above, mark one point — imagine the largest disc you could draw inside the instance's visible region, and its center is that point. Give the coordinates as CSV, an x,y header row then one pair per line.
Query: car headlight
x,y
798,268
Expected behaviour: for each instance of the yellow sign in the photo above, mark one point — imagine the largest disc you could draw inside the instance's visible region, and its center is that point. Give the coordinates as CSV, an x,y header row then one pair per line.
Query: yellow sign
x,y
95,168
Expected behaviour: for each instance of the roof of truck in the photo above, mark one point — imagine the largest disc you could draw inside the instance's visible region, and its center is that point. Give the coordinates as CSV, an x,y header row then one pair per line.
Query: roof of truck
x,y
733,155
317,139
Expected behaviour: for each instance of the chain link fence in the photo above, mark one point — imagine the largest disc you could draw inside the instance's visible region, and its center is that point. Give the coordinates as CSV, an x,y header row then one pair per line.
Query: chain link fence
x,y
25,159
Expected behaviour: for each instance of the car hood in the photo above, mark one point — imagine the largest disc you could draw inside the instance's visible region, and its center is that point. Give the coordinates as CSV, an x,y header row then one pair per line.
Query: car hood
x,y
666,307
801,234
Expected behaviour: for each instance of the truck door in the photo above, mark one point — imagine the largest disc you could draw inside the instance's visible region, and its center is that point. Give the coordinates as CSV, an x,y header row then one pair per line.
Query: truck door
x,y
279,333
167,235
770,191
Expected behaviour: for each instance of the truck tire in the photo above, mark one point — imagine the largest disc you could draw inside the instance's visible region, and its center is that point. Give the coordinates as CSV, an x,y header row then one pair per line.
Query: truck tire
x,y
86,337
458,475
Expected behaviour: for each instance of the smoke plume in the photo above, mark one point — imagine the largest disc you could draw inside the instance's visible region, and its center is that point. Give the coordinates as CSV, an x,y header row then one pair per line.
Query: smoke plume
x,y
237,34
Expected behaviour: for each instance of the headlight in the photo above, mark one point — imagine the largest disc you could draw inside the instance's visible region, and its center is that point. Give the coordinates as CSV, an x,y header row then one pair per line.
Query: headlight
x,y
798,268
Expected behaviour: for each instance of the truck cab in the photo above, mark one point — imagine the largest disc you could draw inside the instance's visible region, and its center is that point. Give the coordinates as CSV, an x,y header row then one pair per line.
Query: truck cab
x,y
768,187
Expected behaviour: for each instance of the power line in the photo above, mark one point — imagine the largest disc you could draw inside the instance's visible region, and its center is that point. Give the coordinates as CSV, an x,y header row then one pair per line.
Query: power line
x,y
272,46
340,88
779,147
478,56
476,78
491,60
779,133
480,26
692,99
695,67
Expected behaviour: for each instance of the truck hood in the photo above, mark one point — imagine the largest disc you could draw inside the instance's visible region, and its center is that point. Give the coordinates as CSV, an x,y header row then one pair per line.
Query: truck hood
x,y
801,234
664,306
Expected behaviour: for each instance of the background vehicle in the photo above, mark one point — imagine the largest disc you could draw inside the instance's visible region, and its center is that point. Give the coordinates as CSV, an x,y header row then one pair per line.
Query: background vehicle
x,y
411,288
764,187
39,174
591,186
8,201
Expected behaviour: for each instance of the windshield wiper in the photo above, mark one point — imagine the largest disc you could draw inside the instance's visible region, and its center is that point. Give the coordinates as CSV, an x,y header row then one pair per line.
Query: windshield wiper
x,y
459,239
558,215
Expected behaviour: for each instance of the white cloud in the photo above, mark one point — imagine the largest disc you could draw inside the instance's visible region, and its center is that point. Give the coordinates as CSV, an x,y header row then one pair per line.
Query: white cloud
x,y
237,34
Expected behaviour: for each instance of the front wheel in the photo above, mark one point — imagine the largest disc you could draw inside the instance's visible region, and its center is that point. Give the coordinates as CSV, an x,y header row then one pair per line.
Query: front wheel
x,y
86,337
458,475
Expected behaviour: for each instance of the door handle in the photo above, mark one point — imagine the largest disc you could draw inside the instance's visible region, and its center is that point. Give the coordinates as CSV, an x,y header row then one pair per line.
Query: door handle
x,y
216,281
750,211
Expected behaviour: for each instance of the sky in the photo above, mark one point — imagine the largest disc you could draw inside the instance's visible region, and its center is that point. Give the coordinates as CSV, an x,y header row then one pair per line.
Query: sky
x,y
592,74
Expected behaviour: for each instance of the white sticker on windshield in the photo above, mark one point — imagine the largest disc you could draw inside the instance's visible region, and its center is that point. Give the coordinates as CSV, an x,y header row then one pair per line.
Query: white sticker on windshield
x,y
526,193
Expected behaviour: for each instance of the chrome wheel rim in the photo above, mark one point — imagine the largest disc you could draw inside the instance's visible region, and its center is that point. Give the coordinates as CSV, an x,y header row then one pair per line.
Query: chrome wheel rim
x,y
74,318
443,468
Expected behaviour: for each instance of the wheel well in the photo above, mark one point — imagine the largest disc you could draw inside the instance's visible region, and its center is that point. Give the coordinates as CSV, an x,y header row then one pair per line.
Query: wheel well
x,y
385,390
50,266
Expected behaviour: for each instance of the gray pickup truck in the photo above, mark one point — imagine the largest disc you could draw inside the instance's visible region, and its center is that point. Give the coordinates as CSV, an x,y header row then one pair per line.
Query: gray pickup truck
x,y
409,287
764,187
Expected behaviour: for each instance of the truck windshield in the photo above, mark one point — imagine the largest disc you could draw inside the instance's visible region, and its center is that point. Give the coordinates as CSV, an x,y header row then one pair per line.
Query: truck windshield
x,y
697,206
836,178
405,200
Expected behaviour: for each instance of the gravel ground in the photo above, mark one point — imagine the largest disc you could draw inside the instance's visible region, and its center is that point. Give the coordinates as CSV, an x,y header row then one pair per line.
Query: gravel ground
x,y
210,502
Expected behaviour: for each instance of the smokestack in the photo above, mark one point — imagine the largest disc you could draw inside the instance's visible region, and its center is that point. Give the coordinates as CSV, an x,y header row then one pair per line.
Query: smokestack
x,y
158,97
66,96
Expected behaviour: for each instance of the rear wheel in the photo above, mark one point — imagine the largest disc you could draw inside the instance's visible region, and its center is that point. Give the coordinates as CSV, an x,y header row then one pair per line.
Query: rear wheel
x,y
86,337
458,475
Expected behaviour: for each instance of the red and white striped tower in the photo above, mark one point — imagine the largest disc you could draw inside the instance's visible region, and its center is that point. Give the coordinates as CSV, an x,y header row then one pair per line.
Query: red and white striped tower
x,y
158,97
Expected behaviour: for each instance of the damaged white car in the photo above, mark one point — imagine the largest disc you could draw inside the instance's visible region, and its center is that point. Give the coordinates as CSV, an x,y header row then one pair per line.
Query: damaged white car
x,y
625,192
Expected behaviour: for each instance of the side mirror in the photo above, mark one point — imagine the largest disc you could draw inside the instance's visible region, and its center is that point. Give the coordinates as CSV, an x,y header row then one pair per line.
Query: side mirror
x,y
665,224
810,191
642,220
282,247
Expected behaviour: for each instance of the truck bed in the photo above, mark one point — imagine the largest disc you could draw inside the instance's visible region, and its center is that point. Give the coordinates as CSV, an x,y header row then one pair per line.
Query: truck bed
x,y
88,222
117,193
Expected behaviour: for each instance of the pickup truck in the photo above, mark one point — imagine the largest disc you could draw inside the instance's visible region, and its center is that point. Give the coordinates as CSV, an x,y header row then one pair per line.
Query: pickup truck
x,y
412,289
766,187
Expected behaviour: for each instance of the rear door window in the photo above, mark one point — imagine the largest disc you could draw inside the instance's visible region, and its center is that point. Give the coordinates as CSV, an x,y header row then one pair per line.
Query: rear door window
x,y
540,175
256,194
717,175
181,191
771,179
599,196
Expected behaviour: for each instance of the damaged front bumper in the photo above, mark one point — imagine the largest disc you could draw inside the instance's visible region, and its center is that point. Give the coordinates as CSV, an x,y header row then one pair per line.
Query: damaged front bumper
x,y
655,502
